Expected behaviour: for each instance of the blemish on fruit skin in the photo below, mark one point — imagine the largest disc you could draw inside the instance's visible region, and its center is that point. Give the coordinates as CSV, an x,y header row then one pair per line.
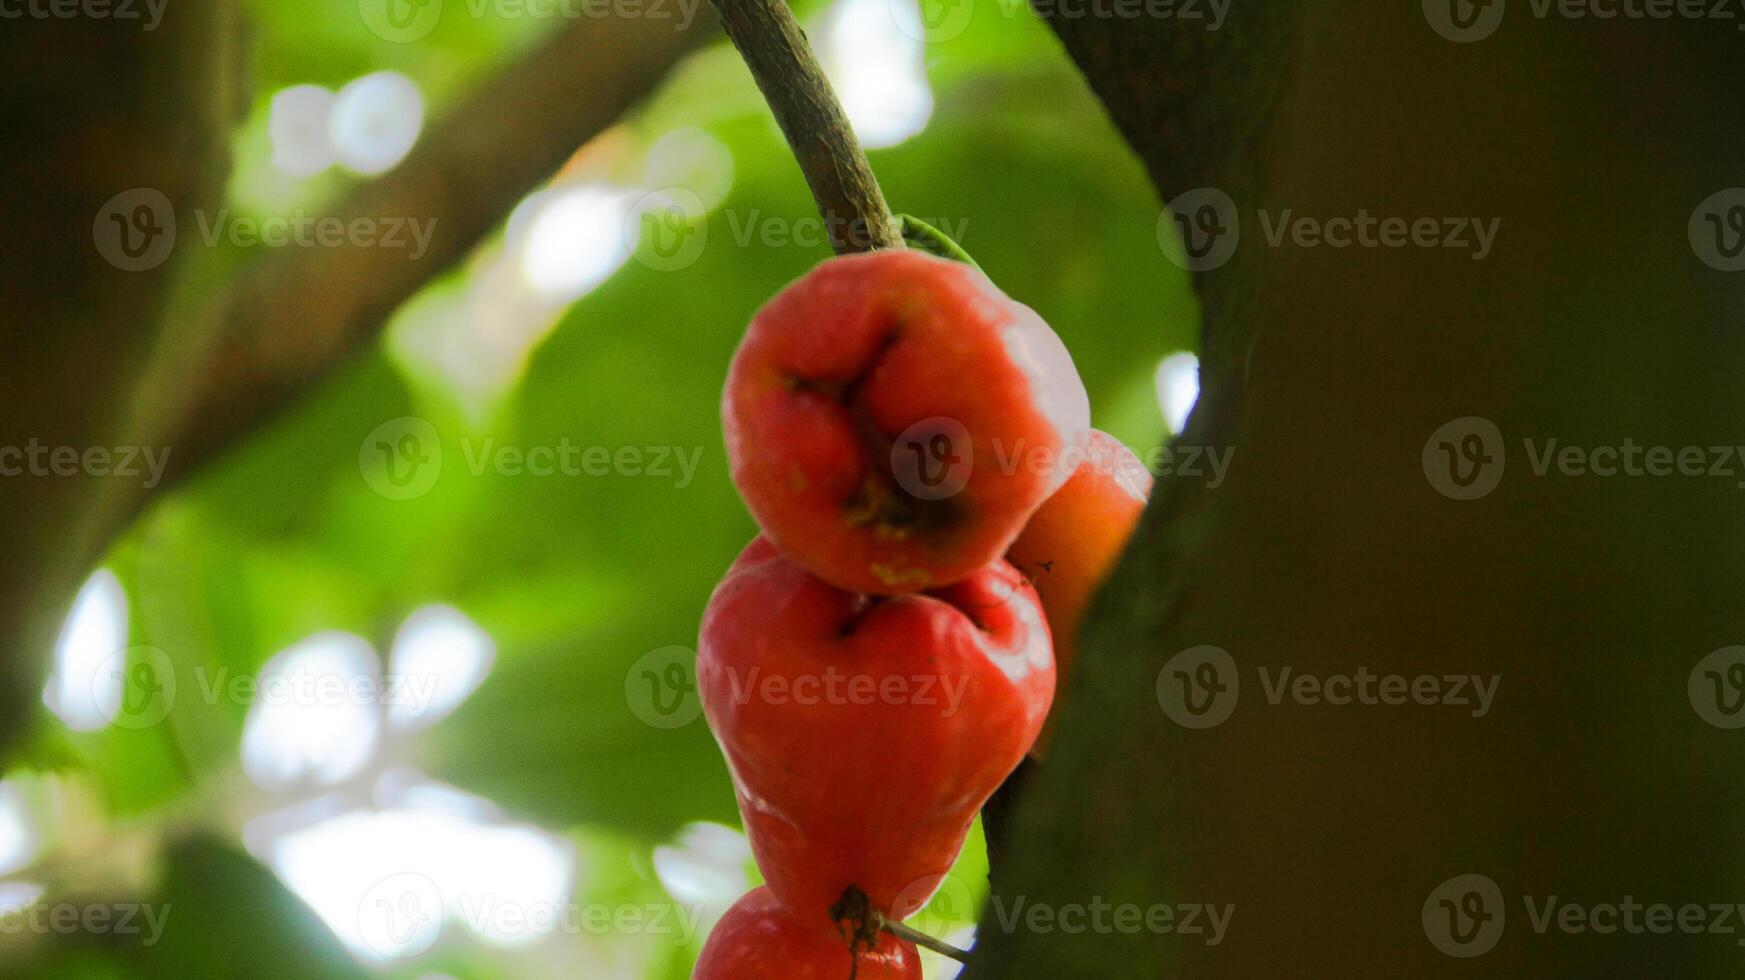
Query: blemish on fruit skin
x,y
895,527
895,577
908,308
832,390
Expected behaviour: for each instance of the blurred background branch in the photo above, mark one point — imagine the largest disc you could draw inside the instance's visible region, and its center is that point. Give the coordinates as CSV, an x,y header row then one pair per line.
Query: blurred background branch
x,y
286,322
282,324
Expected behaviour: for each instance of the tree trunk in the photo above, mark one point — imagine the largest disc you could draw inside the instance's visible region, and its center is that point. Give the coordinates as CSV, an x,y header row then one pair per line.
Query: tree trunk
x,y
110,129
1596,773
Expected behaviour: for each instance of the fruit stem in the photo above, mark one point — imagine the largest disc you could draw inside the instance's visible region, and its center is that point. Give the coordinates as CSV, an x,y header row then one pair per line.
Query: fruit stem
x,y
919,938
865,923
787,72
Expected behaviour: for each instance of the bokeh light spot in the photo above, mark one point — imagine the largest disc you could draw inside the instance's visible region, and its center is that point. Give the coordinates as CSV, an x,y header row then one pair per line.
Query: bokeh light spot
x,y
1178,388
85,689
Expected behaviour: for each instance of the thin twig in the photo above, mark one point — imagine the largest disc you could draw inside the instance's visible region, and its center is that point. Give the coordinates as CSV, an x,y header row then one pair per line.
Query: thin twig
x,y
787,72
919,938
861,924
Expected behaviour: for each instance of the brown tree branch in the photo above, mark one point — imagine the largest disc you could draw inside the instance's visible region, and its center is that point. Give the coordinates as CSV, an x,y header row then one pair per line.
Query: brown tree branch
x,y
787,72
1197,106
97,109
284,324
1194,105
1331,829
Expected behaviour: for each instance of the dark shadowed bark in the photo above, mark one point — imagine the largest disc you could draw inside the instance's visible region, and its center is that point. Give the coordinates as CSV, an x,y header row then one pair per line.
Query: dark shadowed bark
x,y
1590,320
94,109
